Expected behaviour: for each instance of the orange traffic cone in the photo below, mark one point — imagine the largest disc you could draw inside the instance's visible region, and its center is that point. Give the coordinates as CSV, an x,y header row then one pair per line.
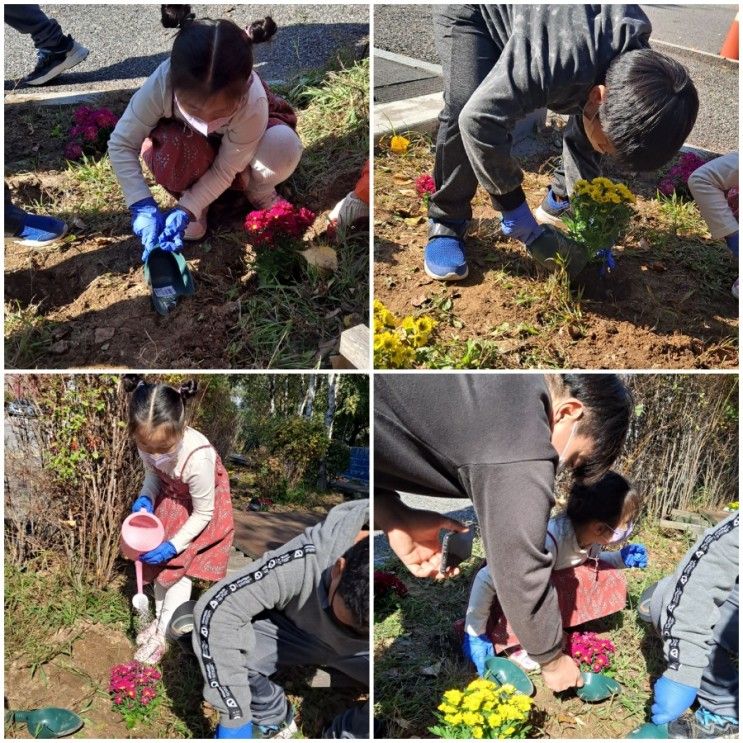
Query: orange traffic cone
x,y
730,45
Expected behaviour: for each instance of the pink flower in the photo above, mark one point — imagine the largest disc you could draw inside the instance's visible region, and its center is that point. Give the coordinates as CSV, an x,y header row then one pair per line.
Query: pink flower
x,y
105,118
82,114
424,185
90,133
282,220
386,582
73,151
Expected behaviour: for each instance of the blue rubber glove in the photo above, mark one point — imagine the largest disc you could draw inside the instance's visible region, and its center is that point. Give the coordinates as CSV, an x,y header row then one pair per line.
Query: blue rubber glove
x,y
478,650
634,556
176,222
732,241
147,224
671,700
143,502
246,731
160,554
519,223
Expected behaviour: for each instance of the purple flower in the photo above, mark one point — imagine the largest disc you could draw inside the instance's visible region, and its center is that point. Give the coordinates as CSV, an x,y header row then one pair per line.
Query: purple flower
x,y
73,151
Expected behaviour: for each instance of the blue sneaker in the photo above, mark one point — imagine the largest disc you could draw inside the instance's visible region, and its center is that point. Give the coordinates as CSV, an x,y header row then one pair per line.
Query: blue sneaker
x,y
551,210
444,257
38,231
703,724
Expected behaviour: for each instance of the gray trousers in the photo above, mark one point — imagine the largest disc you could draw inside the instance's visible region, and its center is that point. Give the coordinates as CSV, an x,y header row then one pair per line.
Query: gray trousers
x,y
468,56
279,643
718,691
31,19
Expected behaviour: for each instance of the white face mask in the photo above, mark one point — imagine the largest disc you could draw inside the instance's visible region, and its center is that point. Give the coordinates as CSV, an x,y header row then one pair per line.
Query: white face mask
x,y
204,127
162,461
561,456
619,536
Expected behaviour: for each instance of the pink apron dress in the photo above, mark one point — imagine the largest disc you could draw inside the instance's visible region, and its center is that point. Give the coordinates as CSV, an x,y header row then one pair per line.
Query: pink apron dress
x,y
178,156
207,556
589,591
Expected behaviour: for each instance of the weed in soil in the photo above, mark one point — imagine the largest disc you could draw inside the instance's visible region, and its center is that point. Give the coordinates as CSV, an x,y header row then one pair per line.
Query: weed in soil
x,y
667,304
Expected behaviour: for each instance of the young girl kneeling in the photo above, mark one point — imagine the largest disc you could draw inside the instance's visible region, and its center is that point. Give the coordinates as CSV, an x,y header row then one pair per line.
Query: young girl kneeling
x,y
203,122
188,489
596,516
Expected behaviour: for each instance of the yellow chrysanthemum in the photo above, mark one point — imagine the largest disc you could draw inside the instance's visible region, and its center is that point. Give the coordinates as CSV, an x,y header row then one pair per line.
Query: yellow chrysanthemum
x,y
455,719
425,324
408,323
472,718
494,719
399,145
453,696
477,732
510,730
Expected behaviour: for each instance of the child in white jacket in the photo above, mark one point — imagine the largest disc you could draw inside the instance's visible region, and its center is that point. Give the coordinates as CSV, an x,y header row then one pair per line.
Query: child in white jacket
x,y
710,185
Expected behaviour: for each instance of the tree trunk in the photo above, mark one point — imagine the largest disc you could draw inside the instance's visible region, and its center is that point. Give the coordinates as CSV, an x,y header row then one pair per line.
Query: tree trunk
x,y
272,394
322,480
309,398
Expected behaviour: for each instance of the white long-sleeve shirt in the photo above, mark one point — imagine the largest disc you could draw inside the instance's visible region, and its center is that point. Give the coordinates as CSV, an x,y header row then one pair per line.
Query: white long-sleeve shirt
x,y
708,185
561,543
198,474
154,101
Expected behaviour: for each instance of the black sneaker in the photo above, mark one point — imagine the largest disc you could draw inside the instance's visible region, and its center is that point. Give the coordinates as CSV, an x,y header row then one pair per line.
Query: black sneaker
x,y
703,724
51,63
287,728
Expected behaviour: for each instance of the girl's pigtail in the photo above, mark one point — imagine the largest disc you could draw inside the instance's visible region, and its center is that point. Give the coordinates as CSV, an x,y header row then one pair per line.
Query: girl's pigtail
x,y
176,16
188,389
131,382
259,31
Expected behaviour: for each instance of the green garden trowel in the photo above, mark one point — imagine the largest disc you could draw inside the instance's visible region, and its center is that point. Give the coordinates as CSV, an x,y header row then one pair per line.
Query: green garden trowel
x,y
169,278
649,730
597,687
503,671
49,722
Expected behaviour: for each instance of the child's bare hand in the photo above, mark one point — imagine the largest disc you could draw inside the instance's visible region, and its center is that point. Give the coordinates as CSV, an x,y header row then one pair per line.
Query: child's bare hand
x,y
561,673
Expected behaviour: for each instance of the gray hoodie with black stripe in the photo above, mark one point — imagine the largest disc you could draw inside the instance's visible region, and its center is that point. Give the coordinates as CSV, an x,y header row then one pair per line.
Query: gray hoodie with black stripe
x,y
292,579
688,603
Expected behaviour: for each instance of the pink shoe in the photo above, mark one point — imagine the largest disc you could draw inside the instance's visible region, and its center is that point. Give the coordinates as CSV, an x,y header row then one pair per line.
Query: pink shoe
x,y
147,633
522,659
196,228
152,651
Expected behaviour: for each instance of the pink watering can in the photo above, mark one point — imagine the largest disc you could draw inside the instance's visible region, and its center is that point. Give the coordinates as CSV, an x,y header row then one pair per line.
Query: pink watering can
x,y
140,532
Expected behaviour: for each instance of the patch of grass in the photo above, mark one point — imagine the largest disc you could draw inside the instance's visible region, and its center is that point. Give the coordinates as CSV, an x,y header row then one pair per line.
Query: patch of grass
x,y
41,601
416,633
681,216
27,335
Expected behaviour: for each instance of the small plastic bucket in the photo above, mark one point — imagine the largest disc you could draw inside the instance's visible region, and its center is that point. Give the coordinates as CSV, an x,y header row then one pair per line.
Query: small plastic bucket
x,y
140,532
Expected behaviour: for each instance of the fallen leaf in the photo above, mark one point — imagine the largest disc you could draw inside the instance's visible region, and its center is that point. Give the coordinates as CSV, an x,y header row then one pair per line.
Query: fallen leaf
x,y
432,670
333,313
406,192
415,221
323,257
418,301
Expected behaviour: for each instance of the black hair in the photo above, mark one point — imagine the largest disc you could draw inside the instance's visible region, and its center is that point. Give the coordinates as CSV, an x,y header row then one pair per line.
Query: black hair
x,y
608,406
612,500
210,56
354,583
153,404
650,108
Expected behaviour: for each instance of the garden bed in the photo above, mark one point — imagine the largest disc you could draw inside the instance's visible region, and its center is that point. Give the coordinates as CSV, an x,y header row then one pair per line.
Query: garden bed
x,y
83,302
667,305
418,656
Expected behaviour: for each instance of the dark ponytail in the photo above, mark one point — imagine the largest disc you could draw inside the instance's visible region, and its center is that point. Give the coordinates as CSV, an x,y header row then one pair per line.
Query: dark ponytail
x,y
154,404
176,16
212,56
611,501
260,31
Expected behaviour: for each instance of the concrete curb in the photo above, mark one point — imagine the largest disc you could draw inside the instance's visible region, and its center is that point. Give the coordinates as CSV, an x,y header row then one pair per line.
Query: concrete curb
x,y
421,114
402,59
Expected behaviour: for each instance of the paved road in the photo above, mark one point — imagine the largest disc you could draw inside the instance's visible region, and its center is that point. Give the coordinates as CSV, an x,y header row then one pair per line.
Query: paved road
x,y
407,30
127,42
457,508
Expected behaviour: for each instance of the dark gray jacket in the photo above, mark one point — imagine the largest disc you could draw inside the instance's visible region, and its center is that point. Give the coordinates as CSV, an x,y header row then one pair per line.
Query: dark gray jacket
x,y
293,579
486,437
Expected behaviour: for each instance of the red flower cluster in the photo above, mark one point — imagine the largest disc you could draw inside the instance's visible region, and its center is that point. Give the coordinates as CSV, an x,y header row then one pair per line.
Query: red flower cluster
x,y
133,683
677,177
90,132
281,221
385,583
424,185
592,652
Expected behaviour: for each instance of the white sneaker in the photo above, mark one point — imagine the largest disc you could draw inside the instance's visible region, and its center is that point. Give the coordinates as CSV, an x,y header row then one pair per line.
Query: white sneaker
x,y
147,633
522,659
